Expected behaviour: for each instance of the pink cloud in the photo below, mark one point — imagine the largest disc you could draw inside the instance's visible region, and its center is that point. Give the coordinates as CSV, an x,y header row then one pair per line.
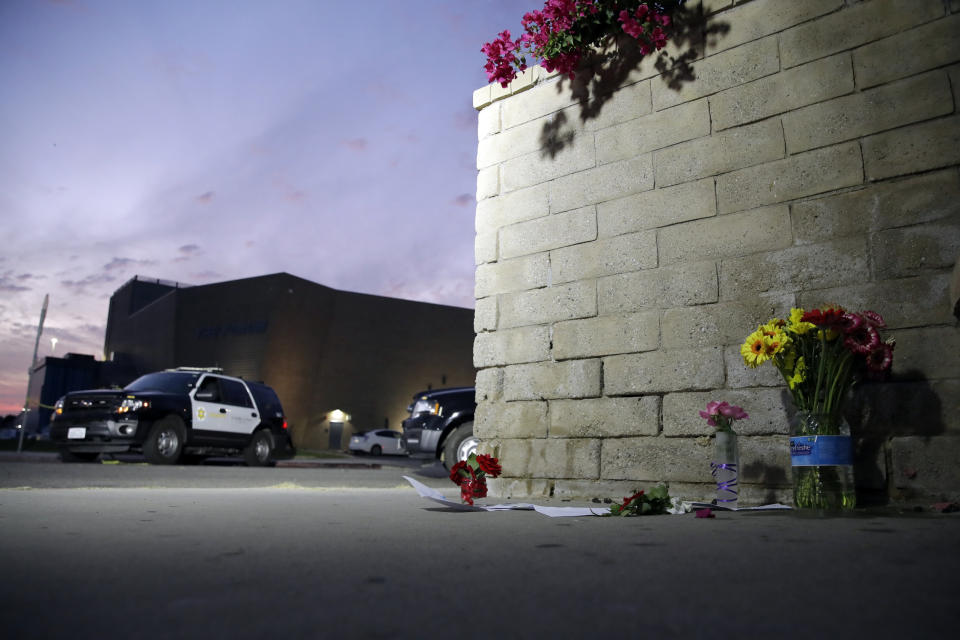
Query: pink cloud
x,y
355,144
205,198
464,200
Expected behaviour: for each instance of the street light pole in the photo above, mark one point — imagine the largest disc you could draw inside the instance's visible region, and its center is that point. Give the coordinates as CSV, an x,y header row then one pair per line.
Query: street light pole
x,y
33,362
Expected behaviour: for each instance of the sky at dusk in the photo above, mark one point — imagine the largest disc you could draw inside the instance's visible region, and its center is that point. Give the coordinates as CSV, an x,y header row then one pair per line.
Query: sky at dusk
x,y
201,141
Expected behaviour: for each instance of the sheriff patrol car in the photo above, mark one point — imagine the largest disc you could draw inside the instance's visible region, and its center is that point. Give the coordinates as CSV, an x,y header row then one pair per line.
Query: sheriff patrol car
x,y
178,415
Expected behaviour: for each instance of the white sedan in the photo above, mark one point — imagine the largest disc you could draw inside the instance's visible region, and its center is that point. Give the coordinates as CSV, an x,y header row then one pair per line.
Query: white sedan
x,y
378,442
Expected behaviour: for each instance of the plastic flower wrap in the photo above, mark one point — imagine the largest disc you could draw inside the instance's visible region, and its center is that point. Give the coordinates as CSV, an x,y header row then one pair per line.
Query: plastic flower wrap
x,y
471,475
821,353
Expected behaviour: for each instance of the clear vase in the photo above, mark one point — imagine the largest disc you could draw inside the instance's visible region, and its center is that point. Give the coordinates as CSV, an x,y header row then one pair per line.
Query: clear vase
x,y
725,468
821,457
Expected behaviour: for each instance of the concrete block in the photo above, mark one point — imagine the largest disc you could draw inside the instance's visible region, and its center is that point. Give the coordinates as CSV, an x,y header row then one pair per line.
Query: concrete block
x,y
928,353
513,207
797,269
511,420
657,208
801,175
606,335
853,26
904,54
740,376
919,147
605,417
485,247
549,232
552,457
731,149
906,302
752,20
934,460
485,314
656,459
481,97
725,323
654,131
911,251
552,380
663,371
510,143
605,256
891,105
488,183
606,182
543,99
489,386
518,274
511,346
786,91
541,166
722,71
663,288
889,409
914,200
630,102
488,123
737,234
955,82
552,304
768,416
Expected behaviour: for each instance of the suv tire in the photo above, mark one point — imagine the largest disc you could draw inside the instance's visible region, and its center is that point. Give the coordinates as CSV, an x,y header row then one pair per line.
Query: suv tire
x,y
259,453
459,444
164,443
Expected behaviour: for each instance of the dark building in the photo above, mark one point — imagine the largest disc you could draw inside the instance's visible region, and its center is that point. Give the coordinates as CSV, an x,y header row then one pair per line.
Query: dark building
x,y
339,361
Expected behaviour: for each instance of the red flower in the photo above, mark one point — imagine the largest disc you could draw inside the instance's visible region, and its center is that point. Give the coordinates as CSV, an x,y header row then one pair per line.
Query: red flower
x,y
629,499
489,465
862,339
466,493
479,488
874,318
880,359
828,317
455,474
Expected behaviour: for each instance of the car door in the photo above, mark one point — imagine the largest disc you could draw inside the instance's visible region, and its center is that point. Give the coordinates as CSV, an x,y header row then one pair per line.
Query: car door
x,y
242,414
210,415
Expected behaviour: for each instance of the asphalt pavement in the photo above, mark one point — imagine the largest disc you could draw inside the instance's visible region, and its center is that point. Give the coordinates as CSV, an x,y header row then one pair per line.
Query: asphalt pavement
x,y
232,552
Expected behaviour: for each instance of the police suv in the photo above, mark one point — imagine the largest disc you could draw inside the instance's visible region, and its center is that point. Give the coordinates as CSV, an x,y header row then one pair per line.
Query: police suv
x,y
178,415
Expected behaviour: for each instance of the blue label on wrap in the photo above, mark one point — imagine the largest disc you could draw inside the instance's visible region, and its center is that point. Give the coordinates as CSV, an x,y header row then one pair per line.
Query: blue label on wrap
x,y
820,451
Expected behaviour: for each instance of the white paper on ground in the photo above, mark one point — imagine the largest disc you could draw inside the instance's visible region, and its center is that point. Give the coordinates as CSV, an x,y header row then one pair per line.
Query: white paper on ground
x,y
553,512
678,507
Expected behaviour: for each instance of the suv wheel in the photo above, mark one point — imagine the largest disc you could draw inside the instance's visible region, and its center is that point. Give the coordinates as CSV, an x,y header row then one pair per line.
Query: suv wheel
x,y
164,443
259,452
459,444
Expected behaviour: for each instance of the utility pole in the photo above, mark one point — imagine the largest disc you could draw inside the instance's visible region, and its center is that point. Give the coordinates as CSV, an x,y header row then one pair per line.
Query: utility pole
x,y
33,362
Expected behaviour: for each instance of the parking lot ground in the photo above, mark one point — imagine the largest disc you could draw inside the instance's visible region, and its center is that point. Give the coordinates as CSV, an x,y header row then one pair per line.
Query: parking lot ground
x,y
312,560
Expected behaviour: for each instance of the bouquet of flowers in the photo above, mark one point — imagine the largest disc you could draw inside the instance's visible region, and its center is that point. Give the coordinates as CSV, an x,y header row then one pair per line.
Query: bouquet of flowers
x,y
644,504
564,30
820,354
471,475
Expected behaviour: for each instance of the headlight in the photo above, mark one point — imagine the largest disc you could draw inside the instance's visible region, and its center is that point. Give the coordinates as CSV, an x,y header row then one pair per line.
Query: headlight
x,y
423,405
132,404
57,409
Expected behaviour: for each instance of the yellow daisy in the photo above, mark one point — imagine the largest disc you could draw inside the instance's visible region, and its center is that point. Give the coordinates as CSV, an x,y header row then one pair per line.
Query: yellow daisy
x,y
753,350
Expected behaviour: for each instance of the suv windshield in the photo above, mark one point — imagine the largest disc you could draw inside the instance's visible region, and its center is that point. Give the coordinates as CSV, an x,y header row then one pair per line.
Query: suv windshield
x,y
166,381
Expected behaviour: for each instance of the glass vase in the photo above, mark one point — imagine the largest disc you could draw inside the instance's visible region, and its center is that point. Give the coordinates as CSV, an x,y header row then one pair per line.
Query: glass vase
x,y
821,458
725,468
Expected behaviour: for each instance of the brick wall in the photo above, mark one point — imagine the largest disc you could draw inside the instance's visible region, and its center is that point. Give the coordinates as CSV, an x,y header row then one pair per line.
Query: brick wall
x,y
627,244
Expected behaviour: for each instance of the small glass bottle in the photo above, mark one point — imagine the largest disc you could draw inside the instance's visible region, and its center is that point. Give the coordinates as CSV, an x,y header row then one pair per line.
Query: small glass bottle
x,y
821,458
726,468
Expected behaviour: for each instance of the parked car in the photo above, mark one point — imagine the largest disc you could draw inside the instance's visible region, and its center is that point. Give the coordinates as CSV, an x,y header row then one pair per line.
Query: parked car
x,y
441,424
378,442
184,414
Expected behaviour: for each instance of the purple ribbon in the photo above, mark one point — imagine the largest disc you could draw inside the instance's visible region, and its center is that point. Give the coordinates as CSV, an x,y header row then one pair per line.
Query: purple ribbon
x,y
730,486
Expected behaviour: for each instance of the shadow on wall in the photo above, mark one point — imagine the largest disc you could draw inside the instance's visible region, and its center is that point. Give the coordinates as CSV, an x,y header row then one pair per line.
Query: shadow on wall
x,y
603,72
906,407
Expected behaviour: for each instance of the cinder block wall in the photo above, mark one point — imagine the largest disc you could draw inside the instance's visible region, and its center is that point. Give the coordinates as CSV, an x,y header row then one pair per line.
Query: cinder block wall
x,y
626,246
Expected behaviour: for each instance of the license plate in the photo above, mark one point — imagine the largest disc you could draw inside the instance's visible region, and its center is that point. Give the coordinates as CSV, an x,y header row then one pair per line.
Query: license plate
x,y
76,433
